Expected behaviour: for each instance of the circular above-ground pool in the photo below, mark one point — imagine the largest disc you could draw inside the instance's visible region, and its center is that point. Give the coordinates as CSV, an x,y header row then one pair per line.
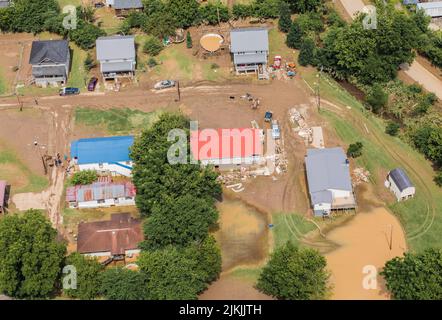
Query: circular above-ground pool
x,y
211,42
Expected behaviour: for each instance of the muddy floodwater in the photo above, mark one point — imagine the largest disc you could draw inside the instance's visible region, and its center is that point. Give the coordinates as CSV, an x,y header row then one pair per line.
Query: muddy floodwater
x,y
243,234
364,242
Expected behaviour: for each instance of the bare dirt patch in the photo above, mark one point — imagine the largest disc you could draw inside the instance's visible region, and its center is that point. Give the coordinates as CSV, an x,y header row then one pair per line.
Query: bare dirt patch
x,y
13,175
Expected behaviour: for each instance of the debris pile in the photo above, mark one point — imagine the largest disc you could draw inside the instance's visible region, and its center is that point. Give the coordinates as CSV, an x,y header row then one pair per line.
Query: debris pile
x,y
360,175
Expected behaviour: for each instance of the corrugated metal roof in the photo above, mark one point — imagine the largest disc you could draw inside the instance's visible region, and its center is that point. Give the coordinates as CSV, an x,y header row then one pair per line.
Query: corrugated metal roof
x,y
234,143
249,39
99,191
432,9
4,3
128,4
117,66
327,169
102,150
401,179
249,58
116,48
322,197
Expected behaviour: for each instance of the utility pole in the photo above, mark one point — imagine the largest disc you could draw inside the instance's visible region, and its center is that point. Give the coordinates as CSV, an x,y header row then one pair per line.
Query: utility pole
x,y
19,102
178,90
391,236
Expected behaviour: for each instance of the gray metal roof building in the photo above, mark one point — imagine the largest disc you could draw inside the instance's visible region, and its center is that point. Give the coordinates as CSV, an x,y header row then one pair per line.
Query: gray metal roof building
x,y
329,180
401,179
249,40
4,3
116,48
128,4
432,9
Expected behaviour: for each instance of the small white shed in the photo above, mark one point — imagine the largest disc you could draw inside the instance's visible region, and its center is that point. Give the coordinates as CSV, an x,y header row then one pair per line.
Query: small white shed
x,y
399,183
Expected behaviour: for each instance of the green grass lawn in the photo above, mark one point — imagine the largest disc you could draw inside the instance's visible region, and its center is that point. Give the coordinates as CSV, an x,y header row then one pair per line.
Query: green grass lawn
x,y
421,216
34,183
63,3
3,85
289,227
78,75
116,121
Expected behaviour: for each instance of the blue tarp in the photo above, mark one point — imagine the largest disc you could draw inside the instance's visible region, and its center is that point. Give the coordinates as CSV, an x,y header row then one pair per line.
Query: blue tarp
x,y
102,150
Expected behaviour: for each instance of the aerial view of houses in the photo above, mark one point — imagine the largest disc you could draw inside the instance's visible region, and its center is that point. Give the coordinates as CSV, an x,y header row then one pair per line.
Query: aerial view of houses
x,y
220,150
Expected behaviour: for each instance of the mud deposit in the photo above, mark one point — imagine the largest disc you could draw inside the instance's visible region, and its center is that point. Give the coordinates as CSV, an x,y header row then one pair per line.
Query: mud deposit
x,y
364,241
243,234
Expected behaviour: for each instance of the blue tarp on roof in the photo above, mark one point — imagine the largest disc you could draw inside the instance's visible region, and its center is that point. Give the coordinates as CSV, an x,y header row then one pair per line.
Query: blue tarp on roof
x,y
102,150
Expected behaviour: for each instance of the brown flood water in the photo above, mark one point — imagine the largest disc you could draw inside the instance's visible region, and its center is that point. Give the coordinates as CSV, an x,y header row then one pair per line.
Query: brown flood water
x,y
243,237
243,234
364,240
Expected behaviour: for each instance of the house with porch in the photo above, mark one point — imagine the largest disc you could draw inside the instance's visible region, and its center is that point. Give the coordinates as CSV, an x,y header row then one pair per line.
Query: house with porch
x,y
50,61
117,56
110,240
250,50
106,155
329,180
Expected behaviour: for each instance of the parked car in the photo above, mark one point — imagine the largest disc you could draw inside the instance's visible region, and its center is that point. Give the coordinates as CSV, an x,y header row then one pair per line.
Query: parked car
x,y
99,5
268,116
69,91
92,84
164,84
276,132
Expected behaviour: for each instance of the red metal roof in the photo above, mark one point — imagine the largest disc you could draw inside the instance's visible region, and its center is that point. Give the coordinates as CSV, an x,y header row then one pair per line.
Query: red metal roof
x,y
100,191
210,144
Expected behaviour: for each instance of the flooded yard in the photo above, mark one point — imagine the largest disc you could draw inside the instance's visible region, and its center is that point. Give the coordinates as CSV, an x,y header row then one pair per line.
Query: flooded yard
x,y
243,234
364,241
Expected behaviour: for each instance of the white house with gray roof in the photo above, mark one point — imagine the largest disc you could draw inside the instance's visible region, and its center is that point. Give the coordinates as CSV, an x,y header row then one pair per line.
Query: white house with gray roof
x,y
5,3
50,60
432,9
123,7
117,56
250,49
329,181
399,183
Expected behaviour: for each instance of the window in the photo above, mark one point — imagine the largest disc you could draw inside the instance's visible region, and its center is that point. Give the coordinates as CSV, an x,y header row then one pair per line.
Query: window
x,y
101,201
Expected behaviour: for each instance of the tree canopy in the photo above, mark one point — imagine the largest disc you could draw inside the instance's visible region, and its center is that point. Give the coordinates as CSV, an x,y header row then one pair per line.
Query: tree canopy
x,y
30,256
123,284
294,274
156,179
416,276
88,277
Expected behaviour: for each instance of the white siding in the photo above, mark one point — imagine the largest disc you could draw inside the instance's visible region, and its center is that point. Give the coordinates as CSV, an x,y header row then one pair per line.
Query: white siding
x,y
107,203
113,168
400,195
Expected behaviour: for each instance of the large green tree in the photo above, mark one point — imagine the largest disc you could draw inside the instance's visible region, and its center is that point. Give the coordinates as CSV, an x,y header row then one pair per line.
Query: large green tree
x,y
301,6
285,19
416,276
123,284
30,256
185,12
155,178
180,273
295,274
88,277
179,221
307,54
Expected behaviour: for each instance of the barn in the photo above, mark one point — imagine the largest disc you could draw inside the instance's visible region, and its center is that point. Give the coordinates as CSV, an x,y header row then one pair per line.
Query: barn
x,y
399,183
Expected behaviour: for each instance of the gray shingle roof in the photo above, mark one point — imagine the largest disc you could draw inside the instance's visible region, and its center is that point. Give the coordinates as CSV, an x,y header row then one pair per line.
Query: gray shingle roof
x,y
49,71
250,58
128,4
327,169
55,51
401,179
117,66
249,39
116,48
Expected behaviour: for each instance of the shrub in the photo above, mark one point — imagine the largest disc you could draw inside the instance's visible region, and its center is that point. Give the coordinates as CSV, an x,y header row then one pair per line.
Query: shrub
x,y
152,62
84,177
392,128
377,98
152,46
355,149
438,178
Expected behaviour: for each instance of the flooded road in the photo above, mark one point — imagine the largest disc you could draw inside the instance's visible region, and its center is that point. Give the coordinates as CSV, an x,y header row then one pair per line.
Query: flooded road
x,y
364,241
243,234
